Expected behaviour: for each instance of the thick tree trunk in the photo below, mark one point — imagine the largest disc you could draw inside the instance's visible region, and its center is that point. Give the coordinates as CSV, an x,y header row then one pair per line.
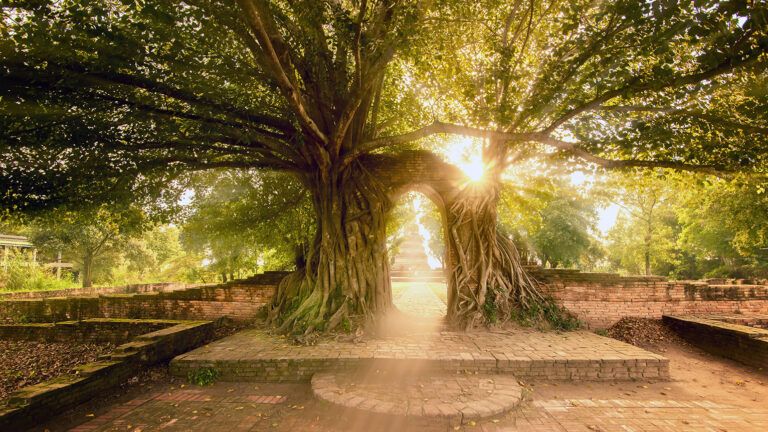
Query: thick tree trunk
x,y
88,271
346,276
647,254
488,282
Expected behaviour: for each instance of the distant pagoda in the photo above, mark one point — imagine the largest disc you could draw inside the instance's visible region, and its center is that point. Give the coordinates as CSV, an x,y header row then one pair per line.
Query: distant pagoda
x,y
411,262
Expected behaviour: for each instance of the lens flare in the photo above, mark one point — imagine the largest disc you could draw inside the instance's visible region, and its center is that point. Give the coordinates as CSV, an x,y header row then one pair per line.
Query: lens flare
x,y
467,154
474,169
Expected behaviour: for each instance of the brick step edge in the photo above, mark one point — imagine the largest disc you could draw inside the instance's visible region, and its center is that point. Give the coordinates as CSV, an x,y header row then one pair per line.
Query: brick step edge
x,y
302,370
35,404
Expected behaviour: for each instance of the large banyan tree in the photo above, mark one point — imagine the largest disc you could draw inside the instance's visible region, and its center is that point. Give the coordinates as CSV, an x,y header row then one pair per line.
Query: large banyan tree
x,y
112,100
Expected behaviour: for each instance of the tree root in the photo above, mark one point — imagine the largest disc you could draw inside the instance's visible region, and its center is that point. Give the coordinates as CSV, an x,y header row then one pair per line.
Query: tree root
x,y
488,281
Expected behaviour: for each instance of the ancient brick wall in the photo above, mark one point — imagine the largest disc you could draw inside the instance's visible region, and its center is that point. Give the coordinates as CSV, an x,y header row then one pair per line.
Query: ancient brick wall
x,y
598,299
601,299
116,331
92,291
239,300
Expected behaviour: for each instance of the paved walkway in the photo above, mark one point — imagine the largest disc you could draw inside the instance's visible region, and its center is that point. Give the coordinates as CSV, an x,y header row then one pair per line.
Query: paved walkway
x,y
631,415
228,407
399,393
418,299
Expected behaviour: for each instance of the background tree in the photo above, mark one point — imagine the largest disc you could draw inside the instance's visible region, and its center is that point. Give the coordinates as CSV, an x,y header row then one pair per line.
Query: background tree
x,y
725,225
243,223
629,250
154,256
564,235
551,218
112,101
698,228
647,200
86,238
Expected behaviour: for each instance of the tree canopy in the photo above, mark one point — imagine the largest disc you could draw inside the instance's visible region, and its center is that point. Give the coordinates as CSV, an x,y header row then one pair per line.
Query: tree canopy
x,y
123,96
123,100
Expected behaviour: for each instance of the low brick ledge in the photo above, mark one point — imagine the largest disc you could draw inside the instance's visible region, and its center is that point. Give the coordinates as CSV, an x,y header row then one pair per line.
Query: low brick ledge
x,y
94,291
275,360
302,370
238,300
748,345
33,404
113,330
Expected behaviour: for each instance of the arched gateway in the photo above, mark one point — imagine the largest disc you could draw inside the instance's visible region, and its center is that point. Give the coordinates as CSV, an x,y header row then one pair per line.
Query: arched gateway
x,y
484,268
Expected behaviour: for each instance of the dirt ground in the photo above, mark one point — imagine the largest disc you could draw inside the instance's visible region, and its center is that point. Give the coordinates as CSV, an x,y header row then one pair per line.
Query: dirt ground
x,y
695,374
24,363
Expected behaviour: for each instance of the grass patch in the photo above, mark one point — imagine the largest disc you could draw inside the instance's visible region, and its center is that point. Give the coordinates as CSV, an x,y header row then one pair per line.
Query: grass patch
x,y
25,276
203,376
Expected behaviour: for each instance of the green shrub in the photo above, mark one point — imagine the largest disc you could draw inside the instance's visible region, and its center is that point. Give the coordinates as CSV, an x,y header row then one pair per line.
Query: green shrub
x,y
490,309
203,376
547,312
346,325
20,275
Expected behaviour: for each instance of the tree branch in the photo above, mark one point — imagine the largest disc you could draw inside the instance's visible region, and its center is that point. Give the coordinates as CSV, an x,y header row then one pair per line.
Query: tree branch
x,y
275,54
540,137
575,150
24,74
636,85
436,128
687,113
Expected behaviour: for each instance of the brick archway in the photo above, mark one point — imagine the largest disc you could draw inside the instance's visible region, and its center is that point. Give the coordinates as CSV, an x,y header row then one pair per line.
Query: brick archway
x,y
425,173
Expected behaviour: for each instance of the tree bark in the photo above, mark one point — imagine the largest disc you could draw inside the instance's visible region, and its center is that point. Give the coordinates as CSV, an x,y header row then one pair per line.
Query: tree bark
x,y
488,282
346,275
88,271
647,248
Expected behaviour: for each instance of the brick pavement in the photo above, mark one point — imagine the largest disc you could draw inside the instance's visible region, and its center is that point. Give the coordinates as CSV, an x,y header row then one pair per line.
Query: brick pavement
x,y
418,300
239,407
456,396
589,415
249,406
257,356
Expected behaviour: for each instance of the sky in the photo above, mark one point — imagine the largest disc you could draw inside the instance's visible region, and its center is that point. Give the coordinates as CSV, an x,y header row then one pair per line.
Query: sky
x,y
606,216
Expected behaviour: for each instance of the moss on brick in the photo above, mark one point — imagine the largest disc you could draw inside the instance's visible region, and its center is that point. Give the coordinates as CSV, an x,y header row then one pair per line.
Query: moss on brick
x,y
44,400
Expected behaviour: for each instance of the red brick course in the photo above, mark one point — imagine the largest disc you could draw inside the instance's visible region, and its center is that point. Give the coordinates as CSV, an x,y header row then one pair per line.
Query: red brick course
x,y
600,299
240,301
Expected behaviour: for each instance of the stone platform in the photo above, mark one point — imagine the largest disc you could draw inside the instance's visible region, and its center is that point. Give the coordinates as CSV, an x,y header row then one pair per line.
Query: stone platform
x,y
454,396
253,355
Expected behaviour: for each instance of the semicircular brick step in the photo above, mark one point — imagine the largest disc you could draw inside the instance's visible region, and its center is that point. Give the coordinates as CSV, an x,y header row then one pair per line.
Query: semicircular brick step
x,y
455,396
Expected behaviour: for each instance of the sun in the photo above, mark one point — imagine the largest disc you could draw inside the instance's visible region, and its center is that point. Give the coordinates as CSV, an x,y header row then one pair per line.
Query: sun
x,y
467,154
474,169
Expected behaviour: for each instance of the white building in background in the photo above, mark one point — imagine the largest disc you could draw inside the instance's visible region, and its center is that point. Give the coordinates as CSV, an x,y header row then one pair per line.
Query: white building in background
x,y
12,244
